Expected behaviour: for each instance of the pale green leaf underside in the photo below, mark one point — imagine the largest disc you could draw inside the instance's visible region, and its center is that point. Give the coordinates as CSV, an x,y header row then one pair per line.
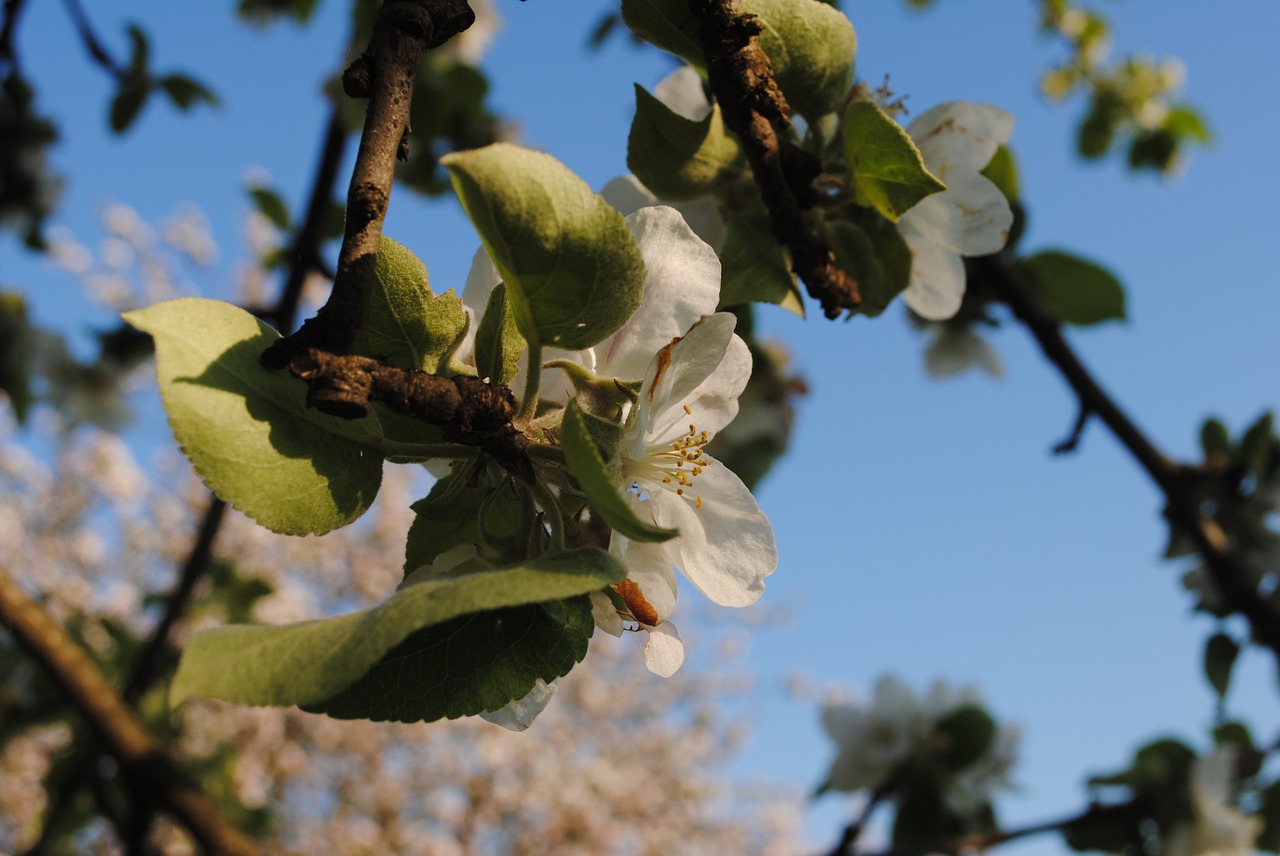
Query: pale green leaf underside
x,y
312,661
679,158
247,430
589,469
572,269
884,164
408,325
810,43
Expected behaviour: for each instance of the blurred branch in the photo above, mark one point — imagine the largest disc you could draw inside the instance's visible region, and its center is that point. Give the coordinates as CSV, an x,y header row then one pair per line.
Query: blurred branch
x,y
741,76
12,11
115,723
1210,541
97,51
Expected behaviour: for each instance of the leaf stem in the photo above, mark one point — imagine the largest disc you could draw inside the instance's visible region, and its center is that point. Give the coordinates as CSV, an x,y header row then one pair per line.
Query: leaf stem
x,y
532,380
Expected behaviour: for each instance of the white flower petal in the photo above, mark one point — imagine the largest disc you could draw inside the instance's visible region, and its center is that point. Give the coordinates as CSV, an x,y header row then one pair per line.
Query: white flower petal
x,y
711,406
937,278
675,373
971,217
726,545
960,134
626,194
651,568
682,284
520,713
663,651
682,91
952,351
606,614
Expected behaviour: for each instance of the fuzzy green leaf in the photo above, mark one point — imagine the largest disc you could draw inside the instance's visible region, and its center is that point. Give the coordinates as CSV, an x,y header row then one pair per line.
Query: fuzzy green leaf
x,y
811,45
313,662
248,431
885,166
679,158
1078,291
272,206
469,665
755,267
498,341
408,325
573,272
598,483
1220,652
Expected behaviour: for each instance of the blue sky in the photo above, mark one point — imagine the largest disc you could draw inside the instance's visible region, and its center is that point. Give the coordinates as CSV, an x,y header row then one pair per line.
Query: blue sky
x,y
924,527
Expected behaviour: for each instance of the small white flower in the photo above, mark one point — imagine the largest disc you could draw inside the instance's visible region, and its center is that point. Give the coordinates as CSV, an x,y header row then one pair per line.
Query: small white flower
x,y
872,741
970,218
1217,827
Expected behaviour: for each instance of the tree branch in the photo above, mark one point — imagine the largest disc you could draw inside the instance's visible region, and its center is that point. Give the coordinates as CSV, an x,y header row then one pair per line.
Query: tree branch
x,y
741,76
1224,567
115,723
471,411
92,44
384,74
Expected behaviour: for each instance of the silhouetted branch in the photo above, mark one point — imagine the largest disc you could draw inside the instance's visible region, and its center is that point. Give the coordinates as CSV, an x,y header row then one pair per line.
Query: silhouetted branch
x,y
1224,567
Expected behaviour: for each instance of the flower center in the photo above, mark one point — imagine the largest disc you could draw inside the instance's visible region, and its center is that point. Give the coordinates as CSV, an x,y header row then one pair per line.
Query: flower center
x,y
684,461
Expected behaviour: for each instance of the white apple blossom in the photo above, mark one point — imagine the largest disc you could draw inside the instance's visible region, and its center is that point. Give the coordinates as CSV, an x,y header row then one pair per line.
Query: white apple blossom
x,y
1216,827
873,740
970,218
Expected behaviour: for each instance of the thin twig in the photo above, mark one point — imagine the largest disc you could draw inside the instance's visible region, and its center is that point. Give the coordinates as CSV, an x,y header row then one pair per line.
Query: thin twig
x,y
115,723
12,11
1224,567
741,77
97,51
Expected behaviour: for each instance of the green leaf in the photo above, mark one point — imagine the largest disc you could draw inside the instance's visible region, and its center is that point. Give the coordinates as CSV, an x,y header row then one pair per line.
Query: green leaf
x,y
1254,444
272,206
1214,438
464,509
1002,171
1220,652
755,268
126,106
573,272
968,733
923,817
408,325
248,431
679,158
810,44
872,251
313,662
885,166
1076,290
598,483
498,342
472,664
1108,831
140,57
15,354
184,91
1233,734
266,11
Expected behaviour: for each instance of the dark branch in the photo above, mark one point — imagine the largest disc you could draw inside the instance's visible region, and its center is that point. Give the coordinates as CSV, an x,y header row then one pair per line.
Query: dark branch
x,y
8,52
384,74
115,723
471,412
1223,565
741,77
97,51
1072,441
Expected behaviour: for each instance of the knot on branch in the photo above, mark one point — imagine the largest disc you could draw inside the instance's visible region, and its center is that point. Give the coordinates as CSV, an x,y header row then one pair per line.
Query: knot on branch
x,y
825,281
470,411
434,21
357,78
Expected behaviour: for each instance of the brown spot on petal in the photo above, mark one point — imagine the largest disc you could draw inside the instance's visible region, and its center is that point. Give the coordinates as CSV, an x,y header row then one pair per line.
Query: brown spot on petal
x,y
634,599
664,362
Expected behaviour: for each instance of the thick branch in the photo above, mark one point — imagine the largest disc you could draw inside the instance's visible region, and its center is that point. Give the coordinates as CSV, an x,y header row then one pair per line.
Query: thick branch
x,y
115,723
384,74
471,412
741,76
1225,569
